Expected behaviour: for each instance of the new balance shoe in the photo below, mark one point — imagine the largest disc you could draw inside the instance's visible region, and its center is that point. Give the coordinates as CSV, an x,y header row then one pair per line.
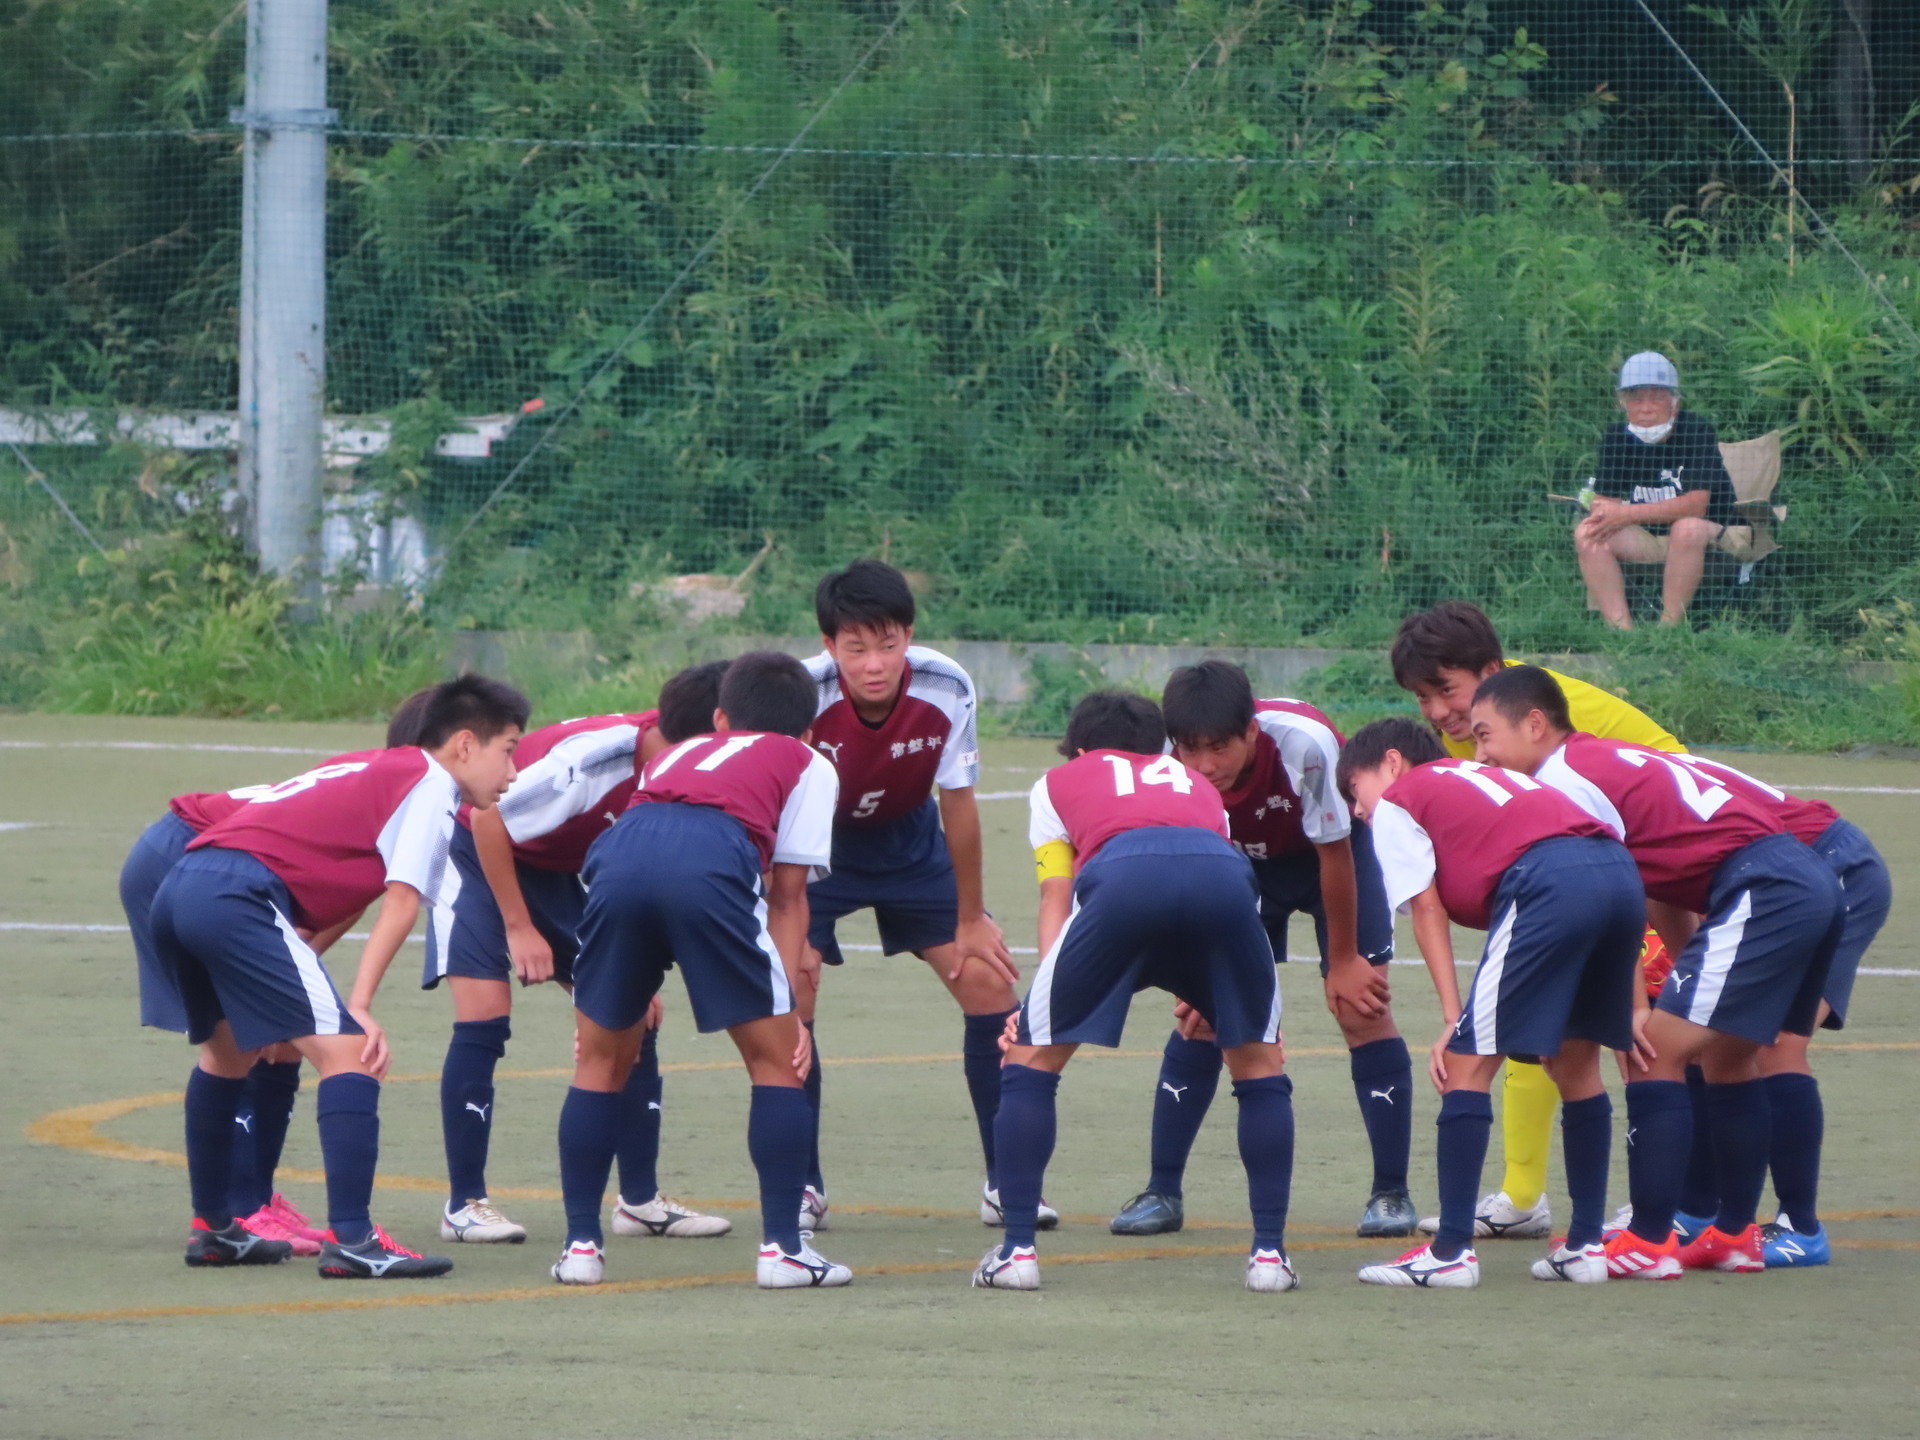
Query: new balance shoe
x,y
297,1226
1018,1271
1584,1266
268,1225
1688,1228
480,1222
208,1248
378,1257
809,1270
1269,1271
581,1263
1389,1213
1149,1213
813,1209
1786,1248
663,1216
1498,1218
1631,1258
1714,1249
1422,1268
1047,1218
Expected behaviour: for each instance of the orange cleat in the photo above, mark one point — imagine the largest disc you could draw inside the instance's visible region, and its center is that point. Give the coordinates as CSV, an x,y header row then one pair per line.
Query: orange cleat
x,y
1631,1258
1714,1249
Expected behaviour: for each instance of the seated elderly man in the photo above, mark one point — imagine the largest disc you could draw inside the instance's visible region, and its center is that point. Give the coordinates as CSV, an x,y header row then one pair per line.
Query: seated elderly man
x,y
1661,496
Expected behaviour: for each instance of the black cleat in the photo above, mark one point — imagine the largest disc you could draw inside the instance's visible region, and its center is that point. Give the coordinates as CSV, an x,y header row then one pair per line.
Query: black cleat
x,y
1388,1213
234,1245
1149,1213
378,1258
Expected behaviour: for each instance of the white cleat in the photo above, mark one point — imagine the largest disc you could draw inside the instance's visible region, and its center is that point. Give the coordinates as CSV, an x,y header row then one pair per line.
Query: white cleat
x,y
813,1209
663,1216
809,1270
1585,1266
1498,1218
1622,1218
1269,1271
1423,1269
581,1263
1046,1218
1018,1271
480,1222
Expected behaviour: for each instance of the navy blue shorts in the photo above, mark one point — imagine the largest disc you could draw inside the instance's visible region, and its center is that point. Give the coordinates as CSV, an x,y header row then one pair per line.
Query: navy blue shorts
x,y
677,885
1290,884
1866,894
465,934
1758,962
224,933
1167,907
1560,960
903,871
156,852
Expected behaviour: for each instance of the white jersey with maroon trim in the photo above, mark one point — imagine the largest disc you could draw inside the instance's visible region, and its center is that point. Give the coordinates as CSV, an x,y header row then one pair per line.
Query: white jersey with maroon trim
x,y
205,809
1098,795
888,770
782,792
1288,801
575,779
339,834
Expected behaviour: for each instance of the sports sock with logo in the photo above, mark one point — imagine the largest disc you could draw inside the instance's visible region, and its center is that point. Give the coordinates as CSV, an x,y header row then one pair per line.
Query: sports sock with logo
x,y
1266,1149
1799,1125
1189,1077
1659,1130
1586,1136
1464,1125
274,1086
466,1103
1023,1135
212,1101
638,1145
1383,1084
1700,1193
243,1181
1741,1121
980,1058
1528,1098
779,1135
589,1124
348,1108
812,1087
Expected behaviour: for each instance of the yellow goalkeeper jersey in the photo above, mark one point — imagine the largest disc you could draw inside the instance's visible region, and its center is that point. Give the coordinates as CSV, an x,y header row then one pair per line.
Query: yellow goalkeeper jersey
x,y
1597,712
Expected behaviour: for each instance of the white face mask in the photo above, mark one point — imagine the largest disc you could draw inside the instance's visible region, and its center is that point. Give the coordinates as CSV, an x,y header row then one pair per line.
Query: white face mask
x,y
1650,434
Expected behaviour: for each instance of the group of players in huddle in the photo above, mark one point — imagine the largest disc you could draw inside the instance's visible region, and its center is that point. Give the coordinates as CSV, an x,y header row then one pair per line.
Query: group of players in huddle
x,y
726,832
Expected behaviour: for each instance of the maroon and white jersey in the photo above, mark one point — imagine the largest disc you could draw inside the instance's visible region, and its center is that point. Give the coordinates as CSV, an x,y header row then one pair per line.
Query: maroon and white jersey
x,y
779,789
1678,821
205,809
1806,820
1463,824
342,832
1289,801
888,770
1096,796
575,779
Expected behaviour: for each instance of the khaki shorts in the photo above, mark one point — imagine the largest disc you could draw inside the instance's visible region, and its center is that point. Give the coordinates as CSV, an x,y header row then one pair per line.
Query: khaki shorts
x,y
1733,540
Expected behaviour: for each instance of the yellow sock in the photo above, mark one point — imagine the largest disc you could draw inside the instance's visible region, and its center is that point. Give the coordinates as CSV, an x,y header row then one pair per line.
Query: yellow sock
x,y
1527,1104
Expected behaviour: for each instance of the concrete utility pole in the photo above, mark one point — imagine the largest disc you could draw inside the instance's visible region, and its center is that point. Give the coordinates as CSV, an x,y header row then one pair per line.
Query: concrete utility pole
x,y
283,295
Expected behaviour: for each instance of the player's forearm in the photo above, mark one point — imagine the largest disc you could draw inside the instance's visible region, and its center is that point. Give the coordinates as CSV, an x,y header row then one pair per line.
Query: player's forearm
x,y
1673,925
494,847
1056,903
1340,899
323,940
1690,505
399,908
960,818
1435,939
787,916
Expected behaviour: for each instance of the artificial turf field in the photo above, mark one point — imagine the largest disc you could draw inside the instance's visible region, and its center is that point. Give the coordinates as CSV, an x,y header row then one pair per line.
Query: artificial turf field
x,y
105,1332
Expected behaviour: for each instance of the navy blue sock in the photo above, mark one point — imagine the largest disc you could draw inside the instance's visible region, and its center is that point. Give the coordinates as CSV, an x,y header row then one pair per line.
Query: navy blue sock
x,y
274,1085
348,1107
1023,1134
589,1126
1700,1193
1465,1122
1383,1084
1659,1130
780,1126
812,1087
1741,1119
466,1103
243,1173
638,1146
1189,1076
1586,1136
980,1057
1266,1149
1799,1124
212,1102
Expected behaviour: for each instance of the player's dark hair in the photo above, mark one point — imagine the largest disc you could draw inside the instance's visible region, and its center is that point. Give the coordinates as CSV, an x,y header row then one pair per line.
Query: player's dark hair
x,y
404,727
770,692
1115,720
867,595
688,700
1453,635
1371,742
1207,703
1520,689
472,702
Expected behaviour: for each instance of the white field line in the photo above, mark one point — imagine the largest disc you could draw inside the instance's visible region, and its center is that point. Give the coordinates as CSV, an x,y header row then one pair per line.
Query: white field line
x,y
160,745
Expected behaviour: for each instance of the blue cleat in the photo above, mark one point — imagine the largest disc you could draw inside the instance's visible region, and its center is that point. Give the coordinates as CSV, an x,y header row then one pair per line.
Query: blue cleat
x,y
1688,1228
1149,1213
1787,1249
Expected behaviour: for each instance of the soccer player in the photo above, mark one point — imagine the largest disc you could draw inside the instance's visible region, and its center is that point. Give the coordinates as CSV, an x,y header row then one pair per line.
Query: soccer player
x,y
1441,655
510,907
1564,910
1139,886
1754,967
1273,763
312,852
897,721
707,870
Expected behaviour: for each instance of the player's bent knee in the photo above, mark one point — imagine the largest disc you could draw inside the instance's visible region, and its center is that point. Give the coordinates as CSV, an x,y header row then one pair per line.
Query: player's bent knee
x,y
1255,1061
335,1054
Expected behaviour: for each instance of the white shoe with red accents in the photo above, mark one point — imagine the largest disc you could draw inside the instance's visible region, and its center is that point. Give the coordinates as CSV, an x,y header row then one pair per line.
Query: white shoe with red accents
x,y
808,1270
1424,1270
